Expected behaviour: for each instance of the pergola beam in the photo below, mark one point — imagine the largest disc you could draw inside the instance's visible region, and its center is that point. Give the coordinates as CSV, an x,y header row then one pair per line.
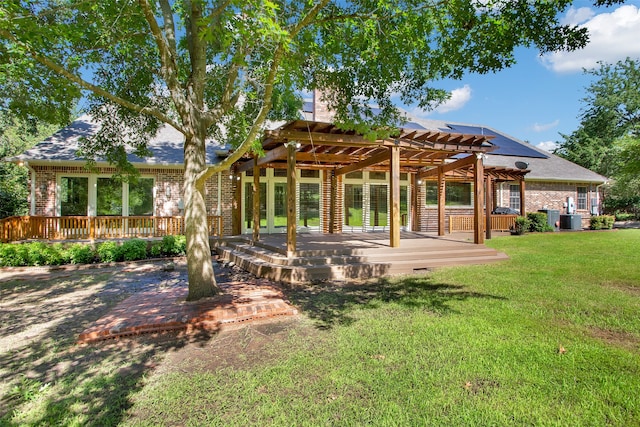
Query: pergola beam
x,y
373,160
275,154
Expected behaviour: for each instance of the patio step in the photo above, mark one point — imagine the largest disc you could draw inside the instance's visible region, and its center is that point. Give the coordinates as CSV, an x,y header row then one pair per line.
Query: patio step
x,y
337,264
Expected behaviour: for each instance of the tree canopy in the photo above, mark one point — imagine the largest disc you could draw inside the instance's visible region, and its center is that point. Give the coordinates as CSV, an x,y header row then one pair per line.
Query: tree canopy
x,y
608,137
222,68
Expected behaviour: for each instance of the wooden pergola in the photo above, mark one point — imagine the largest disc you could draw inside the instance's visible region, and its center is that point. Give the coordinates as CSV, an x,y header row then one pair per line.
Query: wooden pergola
x,y
464,169
316,145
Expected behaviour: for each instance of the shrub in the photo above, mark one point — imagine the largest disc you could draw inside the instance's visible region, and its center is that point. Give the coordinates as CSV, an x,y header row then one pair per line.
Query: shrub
x,y
602,222
520,226
40,253
538,222
109,252
133,249
156,249
56,254
14,255
37,253
174,245
81,254
624,216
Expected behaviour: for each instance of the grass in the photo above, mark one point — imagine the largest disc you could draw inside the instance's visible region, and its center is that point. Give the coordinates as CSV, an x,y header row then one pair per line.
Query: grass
x,y
550,337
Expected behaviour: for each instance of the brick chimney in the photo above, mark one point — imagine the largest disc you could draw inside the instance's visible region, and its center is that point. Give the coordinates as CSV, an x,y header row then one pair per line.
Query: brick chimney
x,y
321,111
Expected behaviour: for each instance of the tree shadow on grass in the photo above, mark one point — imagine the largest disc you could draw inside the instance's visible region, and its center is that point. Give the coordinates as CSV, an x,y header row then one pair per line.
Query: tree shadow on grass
x,y
330,304
46,378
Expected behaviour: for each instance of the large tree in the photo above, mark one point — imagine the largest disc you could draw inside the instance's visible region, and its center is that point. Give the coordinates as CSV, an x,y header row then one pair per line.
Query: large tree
x,y
608,137
222,68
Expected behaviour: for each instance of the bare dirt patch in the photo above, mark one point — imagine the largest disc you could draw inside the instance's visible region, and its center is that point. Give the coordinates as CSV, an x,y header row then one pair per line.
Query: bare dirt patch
x,y
615,338
241,347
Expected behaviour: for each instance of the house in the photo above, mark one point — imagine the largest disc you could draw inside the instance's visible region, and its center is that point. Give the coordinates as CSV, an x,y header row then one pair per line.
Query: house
x,y
342,184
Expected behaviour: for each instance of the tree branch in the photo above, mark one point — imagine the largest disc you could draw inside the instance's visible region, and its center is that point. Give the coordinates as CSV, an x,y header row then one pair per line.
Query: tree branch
x,y
197,53
169,68
59,69
266,98
169,26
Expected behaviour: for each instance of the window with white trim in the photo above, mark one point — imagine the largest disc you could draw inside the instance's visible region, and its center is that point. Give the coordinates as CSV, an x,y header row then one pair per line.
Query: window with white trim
x,y
514,197
581,200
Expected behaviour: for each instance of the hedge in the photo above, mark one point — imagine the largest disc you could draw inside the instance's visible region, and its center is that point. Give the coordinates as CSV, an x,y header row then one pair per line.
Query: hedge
x,y
41,253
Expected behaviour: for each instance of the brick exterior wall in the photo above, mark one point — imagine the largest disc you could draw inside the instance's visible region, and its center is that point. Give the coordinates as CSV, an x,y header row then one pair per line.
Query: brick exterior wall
x,y
326,203
550,195
168,184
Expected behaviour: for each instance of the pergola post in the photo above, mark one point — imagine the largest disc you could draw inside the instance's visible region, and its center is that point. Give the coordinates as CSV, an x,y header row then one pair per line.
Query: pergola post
x,y
394,196
478,202
291,199
522,200
256,201
415,219
236,220
489,205
333,199
442,198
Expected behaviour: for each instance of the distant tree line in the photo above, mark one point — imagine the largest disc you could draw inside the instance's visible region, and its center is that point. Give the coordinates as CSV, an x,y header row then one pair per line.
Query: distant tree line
x,y
607,140
16,136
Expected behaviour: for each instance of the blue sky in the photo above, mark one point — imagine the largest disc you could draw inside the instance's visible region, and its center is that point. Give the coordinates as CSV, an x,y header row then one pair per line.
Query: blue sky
x,y
540,97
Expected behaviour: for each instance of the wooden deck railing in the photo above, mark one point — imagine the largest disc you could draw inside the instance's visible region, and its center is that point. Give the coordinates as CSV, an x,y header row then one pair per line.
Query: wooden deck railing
x,y
18,228
465,222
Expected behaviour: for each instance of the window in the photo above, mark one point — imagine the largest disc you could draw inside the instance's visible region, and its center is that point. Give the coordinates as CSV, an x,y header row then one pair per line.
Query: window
x,y
514,197
309,173
377,175
582,198
456,193
432,192
263,172
105,196
278,173
108,197
354,175
74,195
141,197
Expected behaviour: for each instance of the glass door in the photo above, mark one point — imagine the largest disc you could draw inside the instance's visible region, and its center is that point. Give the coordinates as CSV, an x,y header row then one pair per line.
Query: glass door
x,y
279,208
248,206
353,214
378,207
309,194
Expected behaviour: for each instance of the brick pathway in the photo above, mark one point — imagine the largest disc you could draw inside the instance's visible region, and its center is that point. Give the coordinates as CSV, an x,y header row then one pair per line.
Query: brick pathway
x,y
163,310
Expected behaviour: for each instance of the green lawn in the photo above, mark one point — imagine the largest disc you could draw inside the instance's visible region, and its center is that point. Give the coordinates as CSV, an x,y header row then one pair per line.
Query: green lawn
x,y
550,337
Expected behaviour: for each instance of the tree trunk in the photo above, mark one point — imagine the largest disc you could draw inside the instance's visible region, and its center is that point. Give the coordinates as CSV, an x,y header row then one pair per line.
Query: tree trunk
x,y
202,281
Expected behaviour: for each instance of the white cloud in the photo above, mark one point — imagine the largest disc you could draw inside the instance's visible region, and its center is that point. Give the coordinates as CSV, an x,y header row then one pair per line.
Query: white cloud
x,y
613,36
547,145
459,98
541,127
578,16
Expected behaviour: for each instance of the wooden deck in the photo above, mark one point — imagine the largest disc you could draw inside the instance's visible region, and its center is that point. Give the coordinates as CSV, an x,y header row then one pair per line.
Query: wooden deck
x,y
321,257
